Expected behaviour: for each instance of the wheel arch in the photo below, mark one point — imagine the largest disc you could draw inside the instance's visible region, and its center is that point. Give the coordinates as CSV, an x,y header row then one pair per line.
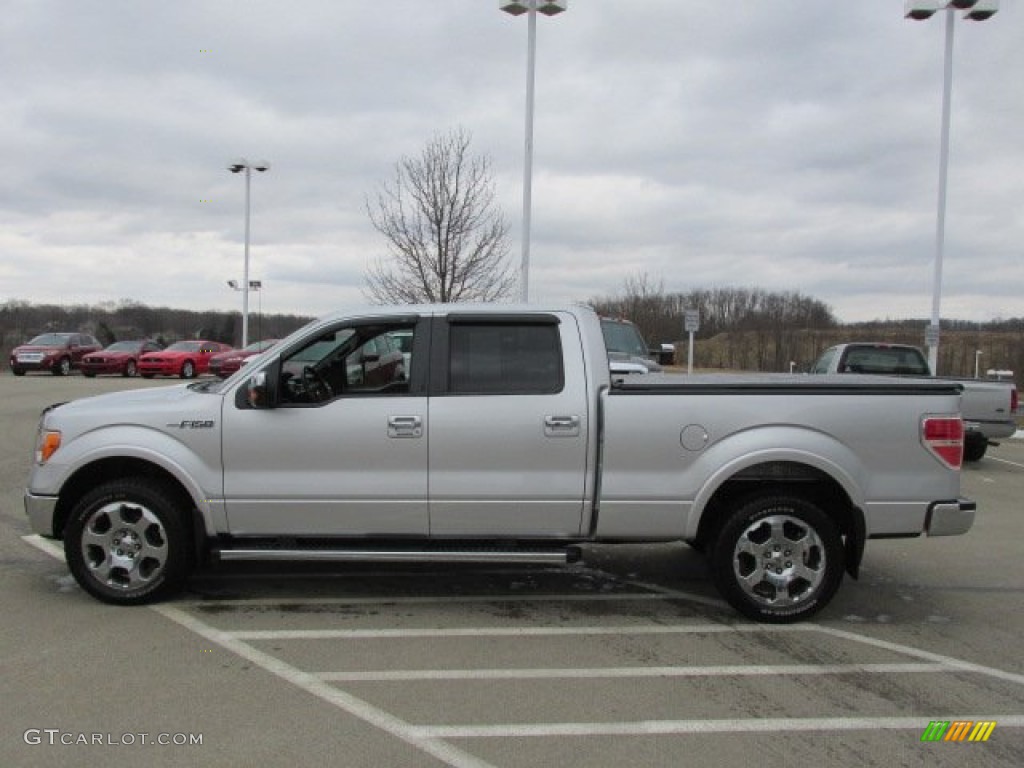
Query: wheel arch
x,y
833,492
110,468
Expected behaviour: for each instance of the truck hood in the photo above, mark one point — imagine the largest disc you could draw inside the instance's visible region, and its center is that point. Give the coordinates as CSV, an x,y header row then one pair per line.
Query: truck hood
x,y
163,408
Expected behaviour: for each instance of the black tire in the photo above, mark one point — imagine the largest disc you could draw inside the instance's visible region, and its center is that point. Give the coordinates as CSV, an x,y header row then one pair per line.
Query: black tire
x,y
188,370
778,559
63,367
130,369
975,445
127,542
18,371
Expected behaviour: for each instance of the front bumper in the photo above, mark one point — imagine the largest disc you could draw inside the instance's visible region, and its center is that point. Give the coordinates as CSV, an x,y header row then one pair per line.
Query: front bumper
x,y
41,511
46,364
949,518
161,369
106,367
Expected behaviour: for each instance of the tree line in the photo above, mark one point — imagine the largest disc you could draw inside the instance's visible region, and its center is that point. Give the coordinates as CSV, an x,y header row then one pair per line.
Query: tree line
x,y
128,319
751,329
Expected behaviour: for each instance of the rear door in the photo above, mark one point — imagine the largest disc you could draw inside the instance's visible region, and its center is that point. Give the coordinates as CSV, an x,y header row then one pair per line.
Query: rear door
x,y
508,426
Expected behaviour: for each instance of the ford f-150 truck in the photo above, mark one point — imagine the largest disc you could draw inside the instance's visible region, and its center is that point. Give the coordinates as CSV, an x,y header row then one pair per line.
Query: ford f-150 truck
x,y
500,438
988,407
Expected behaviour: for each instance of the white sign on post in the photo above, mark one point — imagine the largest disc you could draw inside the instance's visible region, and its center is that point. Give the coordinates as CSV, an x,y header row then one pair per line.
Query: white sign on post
x,y
691,321
691,324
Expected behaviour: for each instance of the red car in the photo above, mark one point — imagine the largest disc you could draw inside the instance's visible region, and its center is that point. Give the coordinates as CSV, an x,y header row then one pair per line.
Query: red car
x,y
187,359
226,363
57,353
121,357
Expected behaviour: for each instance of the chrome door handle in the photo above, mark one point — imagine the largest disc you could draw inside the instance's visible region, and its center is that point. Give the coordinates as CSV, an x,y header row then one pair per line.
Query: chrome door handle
x,y
562,426
405,426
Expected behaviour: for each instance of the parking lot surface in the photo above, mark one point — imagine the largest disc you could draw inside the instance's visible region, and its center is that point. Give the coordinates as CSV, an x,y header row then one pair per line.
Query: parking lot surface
x,y
629,658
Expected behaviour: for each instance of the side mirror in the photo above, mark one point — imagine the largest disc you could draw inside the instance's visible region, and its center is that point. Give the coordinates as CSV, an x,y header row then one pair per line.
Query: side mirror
x,y
257,393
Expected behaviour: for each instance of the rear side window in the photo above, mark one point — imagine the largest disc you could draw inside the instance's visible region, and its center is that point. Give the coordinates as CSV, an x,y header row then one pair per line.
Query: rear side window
x,y
491,358
885,360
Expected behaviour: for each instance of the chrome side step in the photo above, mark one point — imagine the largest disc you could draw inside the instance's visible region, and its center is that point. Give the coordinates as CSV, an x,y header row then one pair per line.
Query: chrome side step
x,y
561,556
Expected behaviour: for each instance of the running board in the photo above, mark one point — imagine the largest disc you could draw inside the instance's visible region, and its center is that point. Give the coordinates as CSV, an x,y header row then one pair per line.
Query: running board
x,y
530,556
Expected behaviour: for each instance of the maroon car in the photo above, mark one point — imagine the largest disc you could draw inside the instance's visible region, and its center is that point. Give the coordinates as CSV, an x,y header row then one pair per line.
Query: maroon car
x,y
186,359
120,358
226,363
57,353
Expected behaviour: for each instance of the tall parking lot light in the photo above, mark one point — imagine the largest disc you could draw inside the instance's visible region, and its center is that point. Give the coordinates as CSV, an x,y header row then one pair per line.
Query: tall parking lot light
x,y
517,8
254,285
237,166
920,10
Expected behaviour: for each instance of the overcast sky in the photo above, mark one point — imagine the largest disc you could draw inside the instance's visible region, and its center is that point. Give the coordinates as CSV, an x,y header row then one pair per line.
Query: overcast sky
x,y
779,144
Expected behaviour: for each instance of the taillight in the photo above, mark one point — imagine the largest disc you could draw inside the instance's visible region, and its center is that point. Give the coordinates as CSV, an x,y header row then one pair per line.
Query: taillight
x,y
1014,401
944,437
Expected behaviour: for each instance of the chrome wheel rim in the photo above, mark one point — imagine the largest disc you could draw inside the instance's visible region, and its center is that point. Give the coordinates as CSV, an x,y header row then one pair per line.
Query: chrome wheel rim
x,y
124,546
779,561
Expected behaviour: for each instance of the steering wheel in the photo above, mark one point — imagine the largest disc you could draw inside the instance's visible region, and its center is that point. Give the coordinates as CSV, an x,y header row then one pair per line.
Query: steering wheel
x,y
316,386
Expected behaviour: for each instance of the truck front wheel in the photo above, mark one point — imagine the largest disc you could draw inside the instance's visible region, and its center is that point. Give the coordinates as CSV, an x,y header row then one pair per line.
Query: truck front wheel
x,y
126,542
778,559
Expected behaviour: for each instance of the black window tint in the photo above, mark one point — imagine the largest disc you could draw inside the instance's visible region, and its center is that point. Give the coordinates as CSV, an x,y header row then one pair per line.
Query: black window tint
x,y
505,359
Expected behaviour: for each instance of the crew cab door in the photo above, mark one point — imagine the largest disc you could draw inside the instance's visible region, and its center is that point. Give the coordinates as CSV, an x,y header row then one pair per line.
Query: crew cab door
x,y
508,426
342,451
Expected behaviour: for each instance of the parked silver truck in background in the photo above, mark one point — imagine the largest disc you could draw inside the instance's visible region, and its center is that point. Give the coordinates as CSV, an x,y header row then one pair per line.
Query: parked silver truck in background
x,y
988,407
499,436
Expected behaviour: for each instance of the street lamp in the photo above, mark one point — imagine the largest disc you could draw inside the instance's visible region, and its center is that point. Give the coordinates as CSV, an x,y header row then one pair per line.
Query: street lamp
x,y
517,8
919,10
237,166
977,356
254,285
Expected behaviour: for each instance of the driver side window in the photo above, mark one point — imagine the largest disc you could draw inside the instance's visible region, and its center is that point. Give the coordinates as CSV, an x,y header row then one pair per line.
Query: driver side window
x,y
354,360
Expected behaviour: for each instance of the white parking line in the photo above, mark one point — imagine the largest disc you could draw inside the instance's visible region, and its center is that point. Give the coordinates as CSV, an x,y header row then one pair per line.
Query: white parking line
x,y
680,727
1006,461
602,673
52,547
965,666
638,629
352,705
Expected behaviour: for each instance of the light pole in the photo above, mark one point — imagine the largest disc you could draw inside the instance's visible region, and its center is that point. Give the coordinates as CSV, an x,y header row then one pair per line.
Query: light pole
x,y
254,285
517,8
977,357
237,166
919,10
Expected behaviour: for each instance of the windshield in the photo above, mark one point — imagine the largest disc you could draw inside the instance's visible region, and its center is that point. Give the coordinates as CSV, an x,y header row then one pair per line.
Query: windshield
x,y
260,346
185,346
623,337
124,346
51,340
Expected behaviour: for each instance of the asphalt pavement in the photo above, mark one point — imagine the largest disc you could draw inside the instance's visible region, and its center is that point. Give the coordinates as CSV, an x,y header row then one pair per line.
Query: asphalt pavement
x,y
629,658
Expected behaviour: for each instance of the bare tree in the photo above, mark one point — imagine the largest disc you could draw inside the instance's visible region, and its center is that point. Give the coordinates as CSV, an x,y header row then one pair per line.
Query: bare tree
x,y
447,240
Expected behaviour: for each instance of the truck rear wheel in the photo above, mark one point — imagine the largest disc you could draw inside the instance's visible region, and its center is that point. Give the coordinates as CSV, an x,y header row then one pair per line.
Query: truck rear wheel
x,y
778,559
126,542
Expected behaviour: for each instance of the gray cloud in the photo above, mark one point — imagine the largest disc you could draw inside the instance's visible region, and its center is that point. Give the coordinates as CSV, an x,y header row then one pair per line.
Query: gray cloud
x,y
788,145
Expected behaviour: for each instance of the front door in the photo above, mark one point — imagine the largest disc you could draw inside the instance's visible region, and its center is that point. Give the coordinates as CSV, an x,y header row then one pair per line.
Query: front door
x,y
344,452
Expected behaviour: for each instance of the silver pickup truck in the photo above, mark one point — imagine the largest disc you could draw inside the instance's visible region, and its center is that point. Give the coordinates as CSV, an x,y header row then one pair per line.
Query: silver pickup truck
x,y
499,437
988,407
